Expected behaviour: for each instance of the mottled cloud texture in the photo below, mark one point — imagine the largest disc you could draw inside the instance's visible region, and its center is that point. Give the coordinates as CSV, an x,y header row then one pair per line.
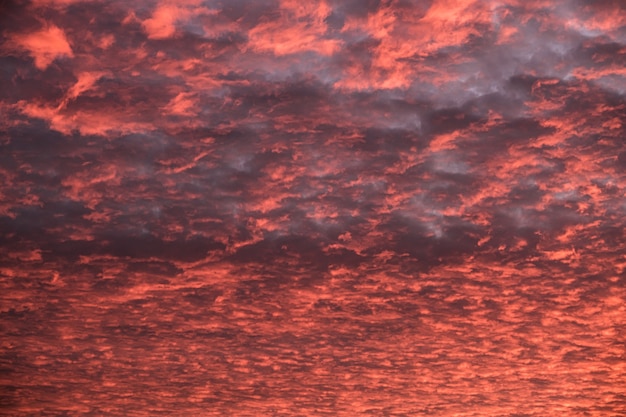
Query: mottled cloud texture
x,y
313,208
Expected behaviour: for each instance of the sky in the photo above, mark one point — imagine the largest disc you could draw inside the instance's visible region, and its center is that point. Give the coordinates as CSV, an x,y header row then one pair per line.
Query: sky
x,y
318,208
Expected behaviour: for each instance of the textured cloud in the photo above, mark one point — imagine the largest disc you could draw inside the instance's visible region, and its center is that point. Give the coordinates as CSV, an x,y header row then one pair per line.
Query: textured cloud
x,y
342,208
45,45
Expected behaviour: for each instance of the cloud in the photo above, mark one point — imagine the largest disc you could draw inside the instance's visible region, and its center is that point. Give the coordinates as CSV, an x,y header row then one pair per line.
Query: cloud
x,y
44,45
168,16
161,24
299,27
337,207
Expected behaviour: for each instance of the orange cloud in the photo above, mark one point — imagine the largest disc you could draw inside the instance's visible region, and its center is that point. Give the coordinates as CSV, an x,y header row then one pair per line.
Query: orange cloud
x,y
45,45
162,23
299,27
168,15
341,208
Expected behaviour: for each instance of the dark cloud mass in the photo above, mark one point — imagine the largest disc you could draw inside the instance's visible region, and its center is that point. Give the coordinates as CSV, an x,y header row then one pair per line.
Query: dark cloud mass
x,y
327,208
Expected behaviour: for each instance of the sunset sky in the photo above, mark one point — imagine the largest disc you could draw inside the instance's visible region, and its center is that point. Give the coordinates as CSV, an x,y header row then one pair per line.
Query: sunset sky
x,y
313,208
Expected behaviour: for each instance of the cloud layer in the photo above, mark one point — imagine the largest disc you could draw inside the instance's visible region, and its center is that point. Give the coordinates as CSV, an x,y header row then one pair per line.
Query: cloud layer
x,y
385,208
